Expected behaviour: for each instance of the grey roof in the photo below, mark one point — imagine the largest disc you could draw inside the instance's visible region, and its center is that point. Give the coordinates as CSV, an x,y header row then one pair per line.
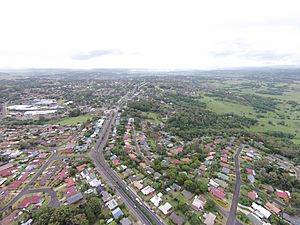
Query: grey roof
x,y
75,198
223,176
292,220
175,186
125,221
178,220
251,178
225,170
254,219
117,213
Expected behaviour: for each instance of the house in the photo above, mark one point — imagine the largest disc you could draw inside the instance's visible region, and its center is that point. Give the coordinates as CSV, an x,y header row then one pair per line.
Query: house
x,y
166,208
34,199
111,204
81,168
178,220
147,190
210,219
125,221
198,204
203,167
132,178
156,200
272,208
115,162
225,170
290,219
157,175
70,182
188,195
213,183
260,211
127,172
105,196
224,159
222,176
176,162
99,189
94,182
251,178
218,193
70,191
252,195
285,195
222,183
117,213
175,187
138,184
255,219
185,160
74,198
10,218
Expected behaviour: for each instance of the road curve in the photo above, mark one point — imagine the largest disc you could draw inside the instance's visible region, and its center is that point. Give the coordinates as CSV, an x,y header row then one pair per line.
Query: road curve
x,y
54,202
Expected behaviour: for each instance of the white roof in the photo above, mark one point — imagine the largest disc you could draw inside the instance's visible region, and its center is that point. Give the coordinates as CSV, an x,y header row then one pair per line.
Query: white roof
x,y
165,208
213,183
197,203
155,200
111,204
147,190
95,182
261,210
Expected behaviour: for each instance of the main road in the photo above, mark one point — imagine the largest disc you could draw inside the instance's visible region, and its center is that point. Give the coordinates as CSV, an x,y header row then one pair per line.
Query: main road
x,y
238,183
132,200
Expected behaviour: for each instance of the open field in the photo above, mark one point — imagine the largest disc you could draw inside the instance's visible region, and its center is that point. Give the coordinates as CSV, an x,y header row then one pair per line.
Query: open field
x,y
74,120
286,117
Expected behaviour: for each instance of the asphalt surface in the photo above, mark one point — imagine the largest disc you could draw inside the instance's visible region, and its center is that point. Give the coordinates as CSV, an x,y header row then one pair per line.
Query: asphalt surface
x,y
26,188
137,207
235,199
54,202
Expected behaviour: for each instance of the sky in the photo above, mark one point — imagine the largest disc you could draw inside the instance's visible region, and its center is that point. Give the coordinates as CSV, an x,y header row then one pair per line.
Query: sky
x,y
154,34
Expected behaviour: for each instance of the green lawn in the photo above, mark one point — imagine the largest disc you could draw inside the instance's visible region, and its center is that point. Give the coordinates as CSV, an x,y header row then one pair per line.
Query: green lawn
x,y
228,107
152,116
74,120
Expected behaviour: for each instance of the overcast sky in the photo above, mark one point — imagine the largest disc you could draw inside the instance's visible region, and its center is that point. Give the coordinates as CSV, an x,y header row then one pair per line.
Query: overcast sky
x,y
158,34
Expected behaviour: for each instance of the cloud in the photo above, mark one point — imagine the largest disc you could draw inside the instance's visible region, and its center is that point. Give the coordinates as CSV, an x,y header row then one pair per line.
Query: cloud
x,y
97,53
264,55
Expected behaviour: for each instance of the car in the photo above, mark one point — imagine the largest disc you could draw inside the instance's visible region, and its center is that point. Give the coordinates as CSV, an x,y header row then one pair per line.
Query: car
x,y
126,188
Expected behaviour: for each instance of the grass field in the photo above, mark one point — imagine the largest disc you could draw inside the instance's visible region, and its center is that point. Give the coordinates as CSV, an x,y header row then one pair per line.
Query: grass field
x,y
74,120
152,116
271,120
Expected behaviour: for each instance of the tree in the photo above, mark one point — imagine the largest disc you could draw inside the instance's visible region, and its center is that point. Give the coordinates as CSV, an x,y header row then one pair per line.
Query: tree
x,y
74,113
194,220
190,185
79,219
210,206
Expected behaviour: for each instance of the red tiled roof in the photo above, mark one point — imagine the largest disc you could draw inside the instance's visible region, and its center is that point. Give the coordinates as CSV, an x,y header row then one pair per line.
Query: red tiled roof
x,y
176,162
116,162
70,191
17,183
6,166
186,160
225,151
282,194
62,175
70,182
217,192
7,172
252,195
250,171
224,159
29,200
81,167
272,208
